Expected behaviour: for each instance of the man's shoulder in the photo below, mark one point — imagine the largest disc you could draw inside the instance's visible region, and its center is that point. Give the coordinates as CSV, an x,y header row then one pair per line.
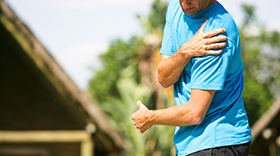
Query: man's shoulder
x,y
221,18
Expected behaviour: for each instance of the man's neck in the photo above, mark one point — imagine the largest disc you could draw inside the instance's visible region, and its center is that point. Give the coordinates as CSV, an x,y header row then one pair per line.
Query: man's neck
x,y
212,2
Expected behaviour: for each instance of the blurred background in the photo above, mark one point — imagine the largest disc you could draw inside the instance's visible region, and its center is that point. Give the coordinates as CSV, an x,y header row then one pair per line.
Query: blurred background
x,y
110,49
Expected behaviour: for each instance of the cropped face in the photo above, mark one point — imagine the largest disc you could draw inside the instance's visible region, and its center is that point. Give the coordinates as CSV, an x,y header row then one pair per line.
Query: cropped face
x,y
192,7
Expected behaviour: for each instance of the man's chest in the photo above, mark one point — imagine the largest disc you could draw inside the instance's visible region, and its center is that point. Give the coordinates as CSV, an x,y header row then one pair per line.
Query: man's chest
x,y
183,29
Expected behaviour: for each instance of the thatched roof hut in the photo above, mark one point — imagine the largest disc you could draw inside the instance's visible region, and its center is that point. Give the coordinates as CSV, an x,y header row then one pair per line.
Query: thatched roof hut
x,y
266,132
41,108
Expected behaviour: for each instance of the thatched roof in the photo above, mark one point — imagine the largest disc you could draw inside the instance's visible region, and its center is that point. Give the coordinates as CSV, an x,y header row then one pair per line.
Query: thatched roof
x,y
269,122
29,74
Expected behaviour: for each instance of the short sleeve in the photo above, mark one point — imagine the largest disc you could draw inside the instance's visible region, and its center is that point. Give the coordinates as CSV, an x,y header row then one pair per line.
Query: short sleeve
x,y
210,72
166,47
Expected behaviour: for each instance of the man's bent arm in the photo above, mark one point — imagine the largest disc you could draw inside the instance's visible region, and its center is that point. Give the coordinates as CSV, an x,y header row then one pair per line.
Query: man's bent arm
x,y
170,67
190,113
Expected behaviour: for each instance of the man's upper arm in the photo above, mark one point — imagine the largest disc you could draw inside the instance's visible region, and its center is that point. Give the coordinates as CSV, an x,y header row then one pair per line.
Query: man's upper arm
x,y
210,72
200,101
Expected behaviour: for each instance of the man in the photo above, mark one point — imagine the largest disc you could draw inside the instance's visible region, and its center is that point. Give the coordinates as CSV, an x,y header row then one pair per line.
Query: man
x,y
209,112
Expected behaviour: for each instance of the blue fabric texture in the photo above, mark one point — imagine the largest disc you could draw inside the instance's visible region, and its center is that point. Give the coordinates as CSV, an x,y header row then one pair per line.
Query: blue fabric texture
x,y
226,122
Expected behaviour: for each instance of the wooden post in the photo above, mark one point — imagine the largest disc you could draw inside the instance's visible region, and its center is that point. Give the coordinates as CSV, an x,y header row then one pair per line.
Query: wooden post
x,y
278,140
87,148
50,136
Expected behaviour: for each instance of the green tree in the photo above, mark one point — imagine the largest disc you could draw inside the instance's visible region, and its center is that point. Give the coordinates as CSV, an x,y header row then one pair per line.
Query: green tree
x,y
260,54
120,55
155,21
122,81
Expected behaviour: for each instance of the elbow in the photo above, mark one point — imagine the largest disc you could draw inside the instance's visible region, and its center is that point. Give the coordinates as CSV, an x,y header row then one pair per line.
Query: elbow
x,y
194,118
162,82
197,120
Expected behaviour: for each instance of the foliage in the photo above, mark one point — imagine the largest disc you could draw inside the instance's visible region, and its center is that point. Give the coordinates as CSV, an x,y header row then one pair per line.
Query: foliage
x,y
260,54
155,139
117,87
156,19
119,55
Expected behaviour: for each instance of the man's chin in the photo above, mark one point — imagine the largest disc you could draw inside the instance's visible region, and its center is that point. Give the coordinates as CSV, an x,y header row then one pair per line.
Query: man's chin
x,y
190,12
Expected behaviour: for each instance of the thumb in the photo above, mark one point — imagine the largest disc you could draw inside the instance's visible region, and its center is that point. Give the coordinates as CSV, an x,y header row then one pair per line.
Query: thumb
x,y
133,116
203,26
139,104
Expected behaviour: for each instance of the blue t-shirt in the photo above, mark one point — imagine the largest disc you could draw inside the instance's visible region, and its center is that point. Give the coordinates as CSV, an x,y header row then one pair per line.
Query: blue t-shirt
x,y
226,122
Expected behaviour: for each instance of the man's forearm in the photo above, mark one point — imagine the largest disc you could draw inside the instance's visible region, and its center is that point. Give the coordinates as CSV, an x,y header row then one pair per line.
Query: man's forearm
x,y
182,115
171,68
190,113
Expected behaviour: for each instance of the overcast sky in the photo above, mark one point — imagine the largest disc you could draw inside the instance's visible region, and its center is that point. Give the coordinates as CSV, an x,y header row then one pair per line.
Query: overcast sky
x,y
75,32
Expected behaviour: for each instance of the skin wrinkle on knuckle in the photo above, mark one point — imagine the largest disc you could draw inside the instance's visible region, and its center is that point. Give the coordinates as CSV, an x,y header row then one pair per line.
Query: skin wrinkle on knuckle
x,y
206,42
214,46
205,47
205,35
219,45
217,39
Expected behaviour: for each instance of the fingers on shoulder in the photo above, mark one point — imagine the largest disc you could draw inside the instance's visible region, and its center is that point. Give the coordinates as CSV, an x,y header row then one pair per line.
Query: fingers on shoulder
x,y
214,33
214,52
